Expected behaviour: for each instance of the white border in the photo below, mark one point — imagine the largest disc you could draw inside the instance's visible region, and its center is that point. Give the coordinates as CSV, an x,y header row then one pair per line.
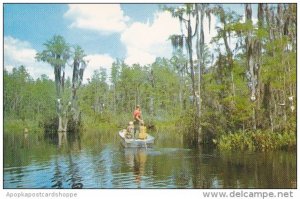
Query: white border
x,y
128,193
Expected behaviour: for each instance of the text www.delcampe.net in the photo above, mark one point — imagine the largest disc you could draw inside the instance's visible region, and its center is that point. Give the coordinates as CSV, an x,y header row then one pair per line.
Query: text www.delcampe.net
x,y
248,194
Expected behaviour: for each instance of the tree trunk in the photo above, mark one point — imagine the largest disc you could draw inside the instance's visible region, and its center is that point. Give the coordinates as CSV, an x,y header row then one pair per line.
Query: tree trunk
x,y
57,74
229,56
78,69
181,83
62,123
253,48
190,52
233,86
115,100
196,126
200,63
151,105
253,118
62,138
59,103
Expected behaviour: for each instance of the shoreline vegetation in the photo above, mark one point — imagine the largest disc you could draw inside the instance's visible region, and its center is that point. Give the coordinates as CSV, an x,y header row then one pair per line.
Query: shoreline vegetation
x,y
242,141
233,98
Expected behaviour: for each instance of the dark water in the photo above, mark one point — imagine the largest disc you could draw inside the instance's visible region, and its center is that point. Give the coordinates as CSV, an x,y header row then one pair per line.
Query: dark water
x,y
96,160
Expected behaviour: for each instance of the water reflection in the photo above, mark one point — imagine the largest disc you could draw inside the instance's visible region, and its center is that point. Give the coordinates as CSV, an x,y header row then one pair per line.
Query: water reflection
x,y
67,145
57,179
26,138
62,139
136,159
96,161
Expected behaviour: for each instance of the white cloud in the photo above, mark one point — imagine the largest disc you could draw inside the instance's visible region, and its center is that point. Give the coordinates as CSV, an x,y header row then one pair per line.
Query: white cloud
x,y
95,61
209,34
17,53
145,41
104,18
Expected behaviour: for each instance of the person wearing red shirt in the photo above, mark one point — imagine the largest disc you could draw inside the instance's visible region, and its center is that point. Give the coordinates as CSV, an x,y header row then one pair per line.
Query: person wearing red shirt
x,y
137,116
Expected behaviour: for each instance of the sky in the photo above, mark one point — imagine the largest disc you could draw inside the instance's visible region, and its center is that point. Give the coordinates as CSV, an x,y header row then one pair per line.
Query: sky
x,y
136,33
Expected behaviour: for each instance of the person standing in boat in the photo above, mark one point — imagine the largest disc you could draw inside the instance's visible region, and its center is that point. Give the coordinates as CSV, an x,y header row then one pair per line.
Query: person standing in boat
x,y
137,116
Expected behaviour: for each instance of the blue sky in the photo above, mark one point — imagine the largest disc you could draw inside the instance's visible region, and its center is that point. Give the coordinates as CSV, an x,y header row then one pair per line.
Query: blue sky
x,y
27,22
137,33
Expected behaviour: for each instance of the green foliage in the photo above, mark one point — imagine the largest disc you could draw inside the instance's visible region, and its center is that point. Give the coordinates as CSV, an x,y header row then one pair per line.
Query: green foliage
x,y
28,99
57,52
79,53
257,141
17,126
165,92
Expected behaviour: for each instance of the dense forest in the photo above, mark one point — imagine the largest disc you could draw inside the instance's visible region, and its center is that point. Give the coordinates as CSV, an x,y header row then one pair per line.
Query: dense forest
x,y
235,97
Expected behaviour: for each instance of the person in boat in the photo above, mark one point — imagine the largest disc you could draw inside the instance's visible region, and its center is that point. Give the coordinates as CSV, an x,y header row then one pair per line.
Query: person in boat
x,y
143,132
137,116
129,130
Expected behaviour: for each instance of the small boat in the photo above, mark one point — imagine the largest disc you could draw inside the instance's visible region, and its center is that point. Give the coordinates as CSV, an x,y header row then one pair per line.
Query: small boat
x,y
136,143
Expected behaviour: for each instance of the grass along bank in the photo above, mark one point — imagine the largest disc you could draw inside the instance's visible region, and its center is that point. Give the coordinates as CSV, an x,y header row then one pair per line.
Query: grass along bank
x,y
17,126
257,141
243,141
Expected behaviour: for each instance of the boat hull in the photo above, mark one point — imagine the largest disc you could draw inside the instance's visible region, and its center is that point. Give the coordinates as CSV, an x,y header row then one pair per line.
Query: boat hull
x,y
136,143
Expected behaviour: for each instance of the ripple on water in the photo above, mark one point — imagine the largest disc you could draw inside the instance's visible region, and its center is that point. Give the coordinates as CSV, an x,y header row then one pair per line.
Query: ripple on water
x,y
109,166
24,177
